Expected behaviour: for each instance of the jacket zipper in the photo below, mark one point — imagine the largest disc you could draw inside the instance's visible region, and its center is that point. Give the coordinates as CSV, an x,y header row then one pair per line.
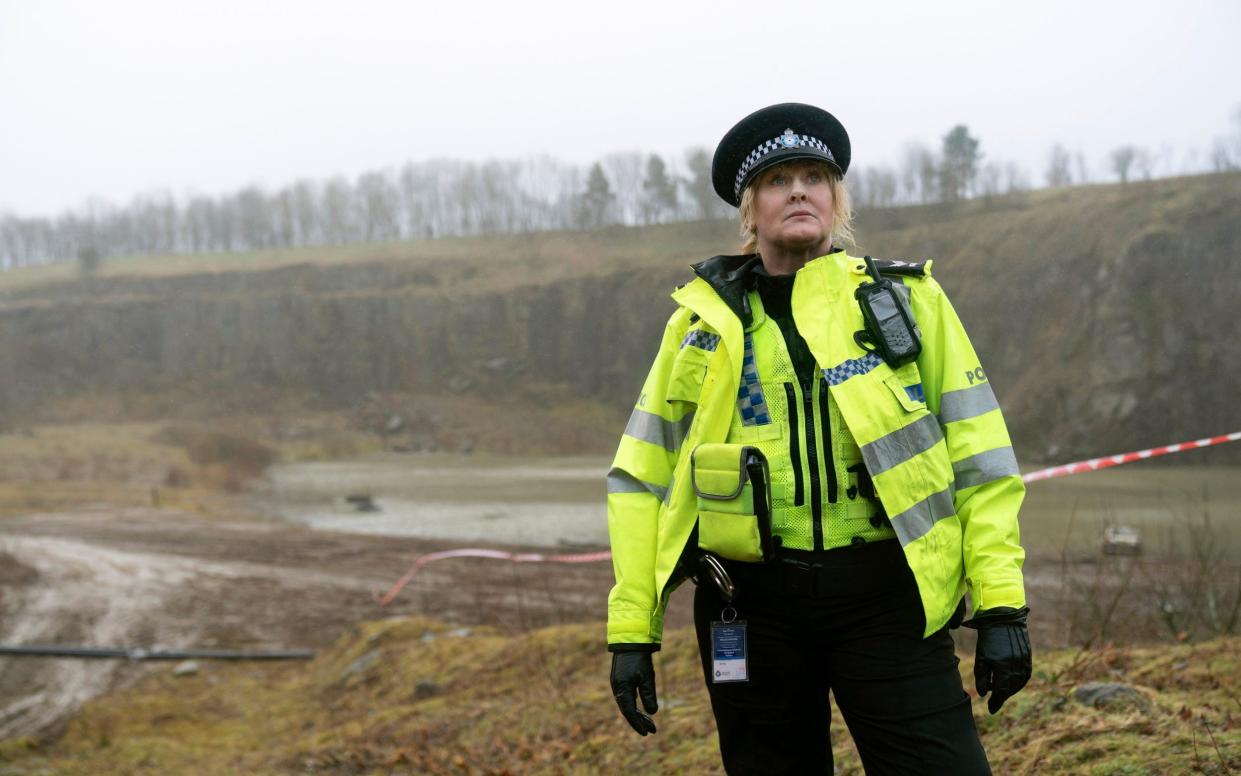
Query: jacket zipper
x,y
812,459
829,463
799,486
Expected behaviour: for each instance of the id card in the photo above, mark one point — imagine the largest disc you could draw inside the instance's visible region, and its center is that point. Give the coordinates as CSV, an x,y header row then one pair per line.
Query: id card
x,y
728,652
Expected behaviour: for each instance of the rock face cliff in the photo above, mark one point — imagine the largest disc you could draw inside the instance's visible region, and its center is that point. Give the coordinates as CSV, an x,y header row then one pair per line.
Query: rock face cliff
x,y
1105,317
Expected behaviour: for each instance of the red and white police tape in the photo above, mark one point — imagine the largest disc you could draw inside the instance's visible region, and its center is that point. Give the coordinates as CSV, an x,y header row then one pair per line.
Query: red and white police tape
x,y
515,557
1094,464
1090,465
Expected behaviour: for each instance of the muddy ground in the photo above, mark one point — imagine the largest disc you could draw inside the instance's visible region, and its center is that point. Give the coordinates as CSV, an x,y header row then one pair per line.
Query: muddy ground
x,y
151,578
134,576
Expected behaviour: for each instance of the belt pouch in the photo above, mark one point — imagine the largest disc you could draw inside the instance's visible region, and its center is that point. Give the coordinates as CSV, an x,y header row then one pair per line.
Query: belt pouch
x,y
733,485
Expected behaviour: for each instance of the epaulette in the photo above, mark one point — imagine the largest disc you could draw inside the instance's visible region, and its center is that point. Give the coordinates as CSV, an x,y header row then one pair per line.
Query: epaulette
x,y
917,269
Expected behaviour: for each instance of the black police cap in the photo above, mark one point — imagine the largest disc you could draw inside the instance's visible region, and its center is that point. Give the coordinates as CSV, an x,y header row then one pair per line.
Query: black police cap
x,y
775,134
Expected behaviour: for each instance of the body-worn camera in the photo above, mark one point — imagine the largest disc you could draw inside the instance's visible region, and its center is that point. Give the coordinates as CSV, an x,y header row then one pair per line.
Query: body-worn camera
x,y
890,327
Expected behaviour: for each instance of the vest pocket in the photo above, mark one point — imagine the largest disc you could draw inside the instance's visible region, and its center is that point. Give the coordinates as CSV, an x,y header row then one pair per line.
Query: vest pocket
x,y
911,396
733,486
689,370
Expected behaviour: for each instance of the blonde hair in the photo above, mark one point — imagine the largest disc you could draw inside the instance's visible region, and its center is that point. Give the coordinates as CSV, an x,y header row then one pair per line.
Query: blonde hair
x,y
842,211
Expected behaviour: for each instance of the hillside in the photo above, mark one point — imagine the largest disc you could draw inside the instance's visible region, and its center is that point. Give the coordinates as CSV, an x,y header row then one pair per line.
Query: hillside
x,y
1102,313
415,696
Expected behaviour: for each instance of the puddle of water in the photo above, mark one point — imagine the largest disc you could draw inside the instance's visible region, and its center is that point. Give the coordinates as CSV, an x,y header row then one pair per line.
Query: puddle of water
x,y
553,502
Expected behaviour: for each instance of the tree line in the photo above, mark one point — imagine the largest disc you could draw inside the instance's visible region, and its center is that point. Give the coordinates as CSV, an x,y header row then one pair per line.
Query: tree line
x,y
448,197
437,198
958,169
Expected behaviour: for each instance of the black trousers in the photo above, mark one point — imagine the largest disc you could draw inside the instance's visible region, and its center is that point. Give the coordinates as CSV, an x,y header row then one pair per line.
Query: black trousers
x,y
853,626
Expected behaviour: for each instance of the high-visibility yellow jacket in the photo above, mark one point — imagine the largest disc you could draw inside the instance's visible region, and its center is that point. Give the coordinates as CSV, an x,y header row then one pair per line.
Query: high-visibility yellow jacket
x,y
930,434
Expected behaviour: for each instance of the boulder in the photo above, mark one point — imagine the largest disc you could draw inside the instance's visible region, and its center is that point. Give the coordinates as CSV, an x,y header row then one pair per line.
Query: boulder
x,y
1111,696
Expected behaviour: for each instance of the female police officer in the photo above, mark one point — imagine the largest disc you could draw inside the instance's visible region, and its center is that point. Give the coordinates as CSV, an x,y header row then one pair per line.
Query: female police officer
x,y
831,466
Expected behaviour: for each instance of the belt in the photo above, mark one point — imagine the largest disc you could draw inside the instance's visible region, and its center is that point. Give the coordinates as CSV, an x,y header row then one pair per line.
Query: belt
x,y
817,574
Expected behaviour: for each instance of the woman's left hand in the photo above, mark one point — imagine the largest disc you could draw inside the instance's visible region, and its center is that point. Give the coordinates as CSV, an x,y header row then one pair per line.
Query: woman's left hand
x,y
635,672
1003,662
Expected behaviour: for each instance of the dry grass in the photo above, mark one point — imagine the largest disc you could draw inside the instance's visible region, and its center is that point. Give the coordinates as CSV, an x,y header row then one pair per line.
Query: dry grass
x,y
191,458
60,466
225,460
411,696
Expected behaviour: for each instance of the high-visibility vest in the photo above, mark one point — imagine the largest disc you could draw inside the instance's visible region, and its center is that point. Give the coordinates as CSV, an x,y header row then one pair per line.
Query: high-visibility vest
x,y
818,480
930,434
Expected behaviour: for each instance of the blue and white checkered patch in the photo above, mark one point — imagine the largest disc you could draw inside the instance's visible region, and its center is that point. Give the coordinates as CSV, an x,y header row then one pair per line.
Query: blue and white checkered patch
x,y
915,392
701,339
750,400
854,366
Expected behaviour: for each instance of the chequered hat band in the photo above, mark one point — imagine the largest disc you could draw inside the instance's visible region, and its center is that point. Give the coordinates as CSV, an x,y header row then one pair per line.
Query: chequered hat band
x,y
782,143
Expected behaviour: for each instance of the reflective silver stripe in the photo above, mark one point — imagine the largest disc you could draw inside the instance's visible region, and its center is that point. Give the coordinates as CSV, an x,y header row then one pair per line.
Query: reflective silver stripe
x,y
966,403
649,427
985,467
901,445
680,429
918,520
621,481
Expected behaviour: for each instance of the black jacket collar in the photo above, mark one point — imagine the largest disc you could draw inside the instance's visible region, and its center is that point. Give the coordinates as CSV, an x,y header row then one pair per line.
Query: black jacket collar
x,y
733,277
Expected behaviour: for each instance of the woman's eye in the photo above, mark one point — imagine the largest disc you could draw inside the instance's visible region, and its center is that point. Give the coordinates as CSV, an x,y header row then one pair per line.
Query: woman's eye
x,y
814,177
777,180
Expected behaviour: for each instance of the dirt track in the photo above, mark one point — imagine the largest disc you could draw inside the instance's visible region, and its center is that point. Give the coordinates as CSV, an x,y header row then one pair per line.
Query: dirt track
x,y
159,578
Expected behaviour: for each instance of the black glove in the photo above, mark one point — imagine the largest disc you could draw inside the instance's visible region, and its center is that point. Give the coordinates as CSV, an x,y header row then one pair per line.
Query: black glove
x,y
1002,663
633,670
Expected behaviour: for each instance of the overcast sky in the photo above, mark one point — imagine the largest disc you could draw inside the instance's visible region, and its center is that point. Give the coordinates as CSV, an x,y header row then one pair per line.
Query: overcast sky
x,y
112,98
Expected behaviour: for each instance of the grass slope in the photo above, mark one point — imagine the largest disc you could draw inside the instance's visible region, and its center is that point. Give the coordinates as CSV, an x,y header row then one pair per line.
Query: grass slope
x,y
413,696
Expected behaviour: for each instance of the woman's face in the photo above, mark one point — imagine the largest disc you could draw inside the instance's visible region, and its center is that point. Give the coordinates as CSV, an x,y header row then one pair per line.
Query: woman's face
x,y
793,208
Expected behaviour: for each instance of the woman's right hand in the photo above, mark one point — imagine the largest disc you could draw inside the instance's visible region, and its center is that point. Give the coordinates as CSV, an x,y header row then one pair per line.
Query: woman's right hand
x,y
635,671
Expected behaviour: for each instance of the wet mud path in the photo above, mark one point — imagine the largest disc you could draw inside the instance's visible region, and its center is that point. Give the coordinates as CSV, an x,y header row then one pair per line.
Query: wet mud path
x,y
155,578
